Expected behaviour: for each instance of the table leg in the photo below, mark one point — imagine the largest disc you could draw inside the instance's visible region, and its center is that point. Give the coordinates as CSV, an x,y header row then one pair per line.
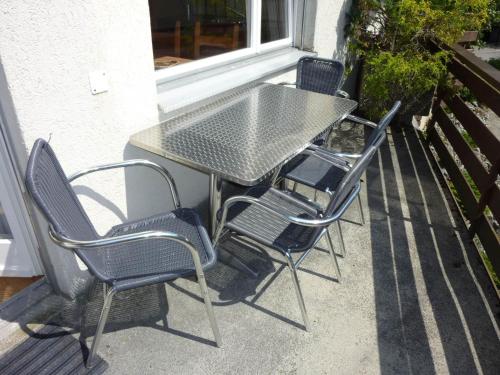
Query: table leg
x,y
215,198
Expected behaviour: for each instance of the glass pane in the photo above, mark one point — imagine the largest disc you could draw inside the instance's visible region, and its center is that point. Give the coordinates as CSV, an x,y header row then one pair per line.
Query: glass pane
x,y
186,30
4,226
274,20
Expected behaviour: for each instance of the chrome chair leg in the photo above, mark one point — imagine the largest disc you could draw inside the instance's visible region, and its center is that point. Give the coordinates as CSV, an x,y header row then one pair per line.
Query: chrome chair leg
x,y
164,305
360,209
108,297
341,239
209,307
334,257
298,291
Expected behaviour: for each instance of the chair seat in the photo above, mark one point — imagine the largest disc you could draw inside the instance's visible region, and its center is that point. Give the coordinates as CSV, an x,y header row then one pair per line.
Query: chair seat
x,y
270,229
135,264
314,172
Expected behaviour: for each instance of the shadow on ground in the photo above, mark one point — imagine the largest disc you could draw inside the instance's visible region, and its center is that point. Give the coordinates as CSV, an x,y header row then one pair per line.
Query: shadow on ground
x,y
421,241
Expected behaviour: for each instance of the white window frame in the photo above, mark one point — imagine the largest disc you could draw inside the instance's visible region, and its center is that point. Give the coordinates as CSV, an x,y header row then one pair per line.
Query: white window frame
x,y
19,254
256,47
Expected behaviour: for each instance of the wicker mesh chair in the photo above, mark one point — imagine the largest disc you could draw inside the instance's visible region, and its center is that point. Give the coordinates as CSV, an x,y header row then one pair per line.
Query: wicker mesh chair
x,y
320,75
376,130
288,222
322,169
131,255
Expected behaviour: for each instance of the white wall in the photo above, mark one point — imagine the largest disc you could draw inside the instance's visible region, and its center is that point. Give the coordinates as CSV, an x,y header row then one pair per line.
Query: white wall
x,y
324,23
47,50
329,39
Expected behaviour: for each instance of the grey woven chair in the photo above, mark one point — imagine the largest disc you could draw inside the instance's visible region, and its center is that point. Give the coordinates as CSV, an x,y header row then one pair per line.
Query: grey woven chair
x,y
376,130
131,255
288,222
320,75
322,169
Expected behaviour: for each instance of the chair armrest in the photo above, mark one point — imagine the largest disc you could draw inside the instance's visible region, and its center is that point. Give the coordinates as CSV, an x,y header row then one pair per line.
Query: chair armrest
x,y
134,163
343,94
362,121
317,222
71,244
343,155
328,156
287,83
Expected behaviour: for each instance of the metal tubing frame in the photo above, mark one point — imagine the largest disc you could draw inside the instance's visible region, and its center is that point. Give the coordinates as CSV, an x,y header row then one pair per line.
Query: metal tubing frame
x,y
298,291
335,160
360,209
316,222
134,237
134,163
330,250
215,199
323,222
341,239
108,297
343,155
333,255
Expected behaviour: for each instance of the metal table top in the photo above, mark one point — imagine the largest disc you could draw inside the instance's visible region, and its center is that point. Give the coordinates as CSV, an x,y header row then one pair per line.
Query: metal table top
x,y
244,135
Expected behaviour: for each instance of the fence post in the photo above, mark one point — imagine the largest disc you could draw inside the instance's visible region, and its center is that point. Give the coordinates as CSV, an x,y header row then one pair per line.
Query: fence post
x,y
485,196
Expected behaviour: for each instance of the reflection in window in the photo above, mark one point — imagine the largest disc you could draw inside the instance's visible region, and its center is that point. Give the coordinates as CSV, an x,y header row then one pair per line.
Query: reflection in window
x,y
274,20
4,226
185,30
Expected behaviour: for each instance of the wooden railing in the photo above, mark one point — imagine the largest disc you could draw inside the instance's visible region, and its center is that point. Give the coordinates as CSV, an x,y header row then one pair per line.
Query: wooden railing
x,y
474,181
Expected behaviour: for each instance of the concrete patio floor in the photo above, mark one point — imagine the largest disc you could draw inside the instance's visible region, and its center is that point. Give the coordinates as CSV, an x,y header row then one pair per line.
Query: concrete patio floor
x,y
414,297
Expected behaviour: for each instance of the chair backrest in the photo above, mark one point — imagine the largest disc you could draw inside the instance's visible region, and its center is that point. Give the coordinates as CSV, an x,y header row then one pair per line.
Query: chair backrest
x,y
350,180
379,131
319,75
54,196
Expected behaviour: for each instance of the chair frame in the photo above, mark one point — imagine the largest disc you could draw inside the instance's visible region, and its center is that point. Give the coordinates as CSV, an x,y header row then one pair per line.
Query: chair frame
x,y
323,222
341,159
71,244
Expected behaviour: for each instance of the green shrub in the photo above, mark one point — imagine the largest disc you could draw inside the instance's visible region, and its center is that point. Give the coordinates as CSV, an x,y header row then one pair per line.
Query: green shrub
x,y
495,63
393,38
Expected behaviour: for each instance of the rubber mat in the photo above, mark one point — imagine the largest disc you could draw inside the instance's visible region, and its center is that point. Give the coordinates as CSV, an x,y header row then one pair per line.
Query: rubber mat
x,y
51,350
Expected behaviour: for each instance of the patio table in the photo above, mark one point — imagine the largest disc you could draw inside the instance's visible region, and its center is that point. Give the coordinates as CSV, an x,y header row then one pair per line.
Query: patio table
x,y
244,135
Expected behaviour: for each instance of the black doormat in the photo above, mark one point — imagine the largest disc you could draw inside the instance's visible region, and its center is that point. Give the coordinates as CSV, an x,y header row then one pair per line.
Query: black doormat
x,y
51,350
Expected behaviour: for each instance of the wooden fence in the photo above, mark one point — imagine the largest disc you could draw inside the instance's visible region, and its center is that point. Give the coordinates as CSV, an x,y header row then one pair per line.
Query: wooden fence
x,y
475,184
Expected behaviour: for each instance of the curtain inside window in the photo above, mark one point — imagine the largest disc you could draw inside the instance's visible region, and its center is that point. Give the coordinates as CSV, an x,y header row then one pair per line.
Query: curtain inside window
x,y
274,20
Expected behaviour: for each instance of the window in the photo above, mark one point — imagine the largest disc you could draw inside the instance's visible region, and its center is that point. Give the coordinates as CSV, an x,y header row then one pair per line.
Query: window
x,y
215,30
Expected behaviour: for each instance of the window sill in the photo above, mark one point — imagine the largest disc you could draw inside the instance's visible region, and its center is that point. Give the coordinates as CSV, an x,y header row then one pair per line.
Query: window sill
x,y
178,93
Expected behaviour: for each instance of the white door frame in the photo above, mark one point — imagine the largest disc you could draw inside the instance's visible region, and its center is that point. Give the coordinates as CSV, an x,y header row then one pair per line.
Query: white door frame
x,y
18,256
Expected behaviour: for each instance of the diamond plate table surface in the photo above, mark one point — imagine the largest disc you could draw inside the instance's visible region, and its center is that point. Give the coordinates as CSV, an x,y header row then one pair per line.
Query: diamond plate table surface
x,y
244,135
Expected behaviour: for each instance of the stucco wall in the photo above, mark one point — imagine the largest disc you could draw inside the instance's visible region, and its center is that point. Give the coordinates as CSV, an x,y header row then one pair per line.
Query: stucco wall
x,y
324,25
47,51
329,27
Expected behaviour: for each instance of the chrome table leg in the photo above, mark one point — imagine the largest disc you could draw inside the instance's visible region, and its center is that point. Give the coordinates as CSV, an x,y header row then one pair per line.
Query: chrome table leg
x,y
215,198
